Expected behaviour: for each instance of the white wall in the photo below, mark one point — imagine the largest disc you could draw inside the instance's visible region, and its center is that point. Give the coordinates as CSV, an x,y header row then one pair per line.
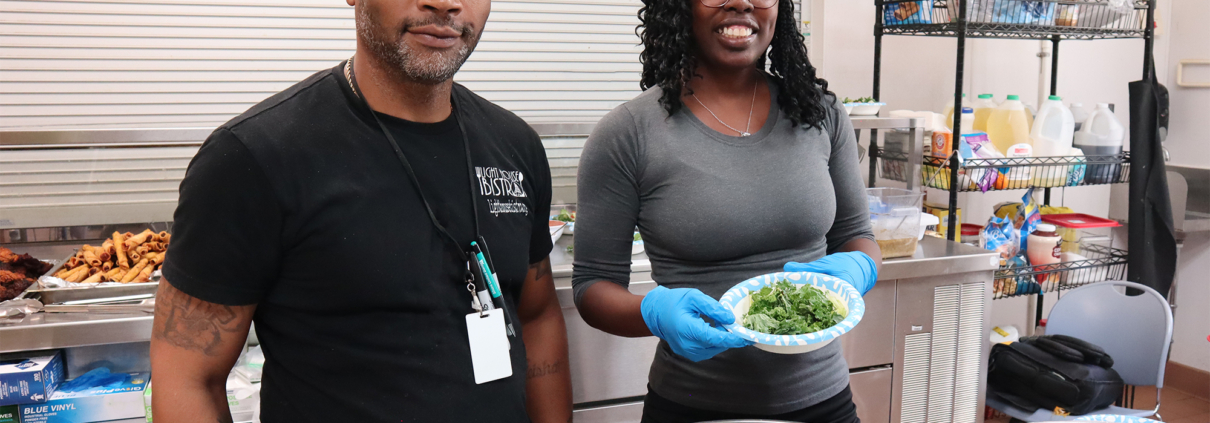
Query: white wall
x,y
1189,144
918,74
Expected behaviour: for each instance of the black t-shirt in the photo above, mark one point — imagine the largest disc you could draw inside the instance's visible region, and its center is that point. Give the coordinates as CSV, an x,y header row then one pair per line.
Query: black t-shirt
x,y
300,206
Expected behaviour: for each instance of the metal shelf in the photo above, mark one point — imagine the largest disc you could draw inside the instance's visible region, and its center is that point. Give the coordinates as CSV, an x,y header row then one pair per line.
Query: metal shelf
x,y
1012,173
66,330
1103,263
1011,19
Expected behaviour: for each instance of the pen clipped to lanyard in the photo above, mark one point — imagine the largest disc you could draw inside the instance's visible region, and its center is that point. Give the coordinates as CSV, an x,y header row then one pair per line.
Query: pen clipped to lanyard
x,y
491,298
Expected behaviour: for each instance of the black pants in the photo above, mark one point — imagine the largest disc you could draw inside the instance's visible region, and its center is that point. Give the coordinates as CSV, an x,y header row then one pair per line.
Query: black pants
x,y
838,409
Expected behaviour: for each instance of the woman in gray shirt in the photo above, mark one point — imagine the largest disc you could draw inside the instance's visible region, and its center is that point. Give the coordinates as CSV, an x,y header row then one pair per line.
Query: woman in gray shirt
x,y
729,172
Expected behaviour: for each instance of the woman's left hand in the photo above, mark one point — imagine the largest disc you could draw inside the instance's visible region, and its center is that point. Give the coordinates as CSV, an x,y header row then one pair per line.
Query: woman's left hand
x,y
854,267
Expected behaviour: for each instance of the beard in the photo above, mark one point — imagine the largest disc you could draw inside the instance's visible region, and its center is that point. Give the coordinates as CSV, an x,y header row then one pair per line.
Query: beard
x,y
418,65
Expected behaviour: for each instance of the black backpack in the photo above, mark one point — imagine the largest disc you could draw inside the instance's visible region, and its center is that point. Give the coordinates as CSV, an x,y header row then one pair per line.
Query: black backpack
x,y
1054,371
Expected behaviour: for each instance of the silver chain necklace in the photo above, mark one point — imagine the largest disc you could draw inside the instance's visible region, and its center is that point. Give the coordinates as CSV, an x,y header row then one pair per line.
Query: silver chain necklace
x,y
751,107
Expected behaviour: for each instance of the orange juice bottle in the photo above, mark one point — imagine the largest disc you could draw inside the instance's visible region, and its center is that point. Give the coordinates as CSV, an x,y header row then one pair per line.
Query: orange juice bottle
x,y
1008,125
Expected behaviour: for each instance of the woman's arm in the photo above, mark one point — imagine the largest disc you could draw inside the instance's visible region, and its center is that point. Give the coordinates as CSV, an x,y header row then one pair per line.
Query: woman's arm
x,y
609,190
605,220
870,248
611,307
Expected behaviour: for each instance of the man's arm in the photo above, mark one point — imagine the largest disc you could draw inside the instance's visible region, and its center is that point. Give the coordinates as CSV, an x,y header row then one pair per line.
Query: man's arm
x,y
548,378
194,344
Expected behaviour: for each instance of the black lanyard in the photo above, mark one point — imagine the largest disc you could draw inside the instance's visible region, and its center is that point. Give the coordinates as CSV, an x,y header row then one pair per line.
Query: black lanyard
x,y
478,287
412,175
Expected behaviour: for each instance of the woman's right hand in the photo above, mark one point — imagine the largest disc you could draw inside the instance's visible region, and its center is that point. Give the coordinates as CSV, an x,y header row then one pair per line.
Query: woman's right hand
x,y
675,315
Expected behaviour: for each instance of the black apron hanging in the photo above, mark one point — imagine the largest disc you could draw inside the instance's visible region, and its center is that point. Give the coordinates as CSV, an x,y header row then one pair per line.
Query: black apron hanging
x,y
1152,244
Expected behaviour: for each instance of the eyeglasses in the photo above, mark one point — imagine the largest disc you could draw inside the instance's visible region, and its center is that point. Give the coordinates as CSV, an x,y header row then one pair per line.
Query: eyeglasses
x,y
759,4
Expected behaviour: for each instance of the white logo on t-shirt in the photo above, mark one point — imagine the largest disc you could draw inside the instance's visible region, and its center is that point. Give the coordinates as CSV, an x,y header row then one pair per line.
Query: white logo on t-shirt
x,y
497,182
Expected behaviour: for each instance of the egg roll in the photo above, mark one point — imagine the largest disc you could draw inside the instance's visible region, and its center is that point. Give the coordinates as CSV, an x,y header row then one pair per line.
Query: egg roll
x,y
105,250
115,273
78,275
90,257
119,245
144,275
139,239
164,236
67,268
96,277
135,256
134,271
106,267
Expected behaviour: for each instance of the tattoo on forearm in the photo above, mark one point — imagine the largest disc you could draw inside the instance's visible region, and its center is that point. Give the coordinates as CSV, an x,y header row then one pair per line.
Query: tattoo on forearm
x,y
187,322
545,369
543,268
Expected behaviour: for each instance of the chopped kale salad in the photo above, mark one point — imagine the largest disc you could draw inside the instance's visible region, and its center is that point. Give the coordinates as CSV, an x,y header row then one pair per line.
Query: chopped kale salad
x,y
788,309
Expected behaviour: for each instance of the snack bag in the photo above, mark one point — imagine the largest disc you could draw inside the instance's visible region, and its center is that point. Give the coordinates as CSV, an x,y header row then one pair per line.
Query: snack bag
x,y
908,12
1007,210
979,146
1028,217
999,235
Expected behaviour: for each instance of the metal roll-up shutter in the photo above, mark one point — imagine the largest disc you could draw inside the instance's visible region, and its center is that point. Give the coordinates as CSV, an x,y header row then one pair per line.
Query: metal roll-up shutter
x,y
174,63
155,63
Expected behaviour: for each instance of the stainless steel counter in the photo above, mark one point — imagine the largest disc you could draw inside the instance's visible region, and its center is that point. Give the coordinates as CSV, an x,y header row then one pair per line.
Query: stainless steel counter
x,y
927,310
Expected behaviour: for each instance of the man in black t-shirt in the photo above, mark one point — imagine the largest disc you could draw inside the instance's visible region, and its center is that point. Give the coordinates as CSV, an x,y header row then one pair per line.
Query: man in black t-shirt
x,y
304,216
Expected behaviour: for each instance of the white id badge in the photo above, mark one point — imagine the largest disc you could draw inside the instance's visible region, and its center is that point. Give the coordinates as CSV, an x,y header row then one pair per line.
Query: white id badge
x,y
489,346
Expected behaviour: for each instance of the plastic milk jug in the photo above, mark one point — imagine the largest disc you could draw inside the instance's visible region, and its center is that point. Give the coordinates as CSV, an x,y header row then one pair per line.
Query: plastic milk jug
x,y
1008,125
1054,129
1079,113
949,111
983,109
1101,135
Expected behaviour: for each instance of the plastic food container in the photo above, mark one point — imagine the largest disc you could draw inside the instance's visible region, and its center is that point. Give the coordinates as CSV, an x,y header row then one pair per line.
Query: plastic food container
x,y
895,217
1075,228
970,234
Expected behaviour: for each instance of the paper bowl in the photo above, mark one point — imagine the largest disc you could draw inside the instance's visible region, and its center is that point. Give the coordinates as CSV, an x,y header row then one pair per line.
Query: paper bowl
x,y
863,109
848,300
556,230
1115,419
570,229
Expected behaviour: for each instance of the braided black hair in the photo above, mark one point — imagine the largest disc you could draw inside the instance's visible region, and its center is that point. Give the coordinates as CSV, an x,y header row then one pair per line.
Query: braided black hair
x,y
666,30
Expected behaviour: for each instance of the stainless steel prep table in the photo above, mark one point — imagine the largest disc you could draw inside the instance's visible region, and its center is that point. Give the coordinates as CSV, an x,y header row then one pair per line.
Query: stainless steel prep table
x,y
917,355
920,342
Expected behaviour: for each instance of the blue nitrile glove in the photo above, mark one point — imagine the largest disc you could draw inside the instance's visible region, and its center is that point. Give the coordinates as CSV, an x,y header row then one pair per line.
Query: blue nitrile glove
x,y
675,315
854,267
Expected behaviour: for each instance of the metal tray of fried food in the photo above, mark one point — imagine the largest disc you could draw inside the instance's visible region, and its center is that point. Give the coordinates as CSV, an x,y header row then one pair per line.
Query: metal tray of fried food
x,y
76,293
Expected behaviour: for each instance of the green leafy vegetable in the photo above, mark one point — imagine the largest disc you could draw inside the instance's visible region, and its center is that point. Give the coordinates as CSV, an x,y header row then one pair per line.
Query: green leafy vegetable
x,y
637,237
788,309
859,100
564,216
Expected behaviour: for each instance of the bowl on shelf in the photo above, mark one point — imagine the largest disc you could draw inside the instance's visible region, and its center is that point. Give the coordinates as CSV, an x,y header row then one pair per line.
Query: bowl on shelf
x,y
1115,418
863,109
556,230
847,300
569,229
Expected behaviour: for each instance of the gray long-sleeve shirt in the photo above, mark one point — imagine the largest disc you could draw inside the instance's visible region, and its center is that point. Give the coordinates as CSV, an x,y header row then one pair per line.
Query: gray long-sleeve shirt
x,y
713,211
